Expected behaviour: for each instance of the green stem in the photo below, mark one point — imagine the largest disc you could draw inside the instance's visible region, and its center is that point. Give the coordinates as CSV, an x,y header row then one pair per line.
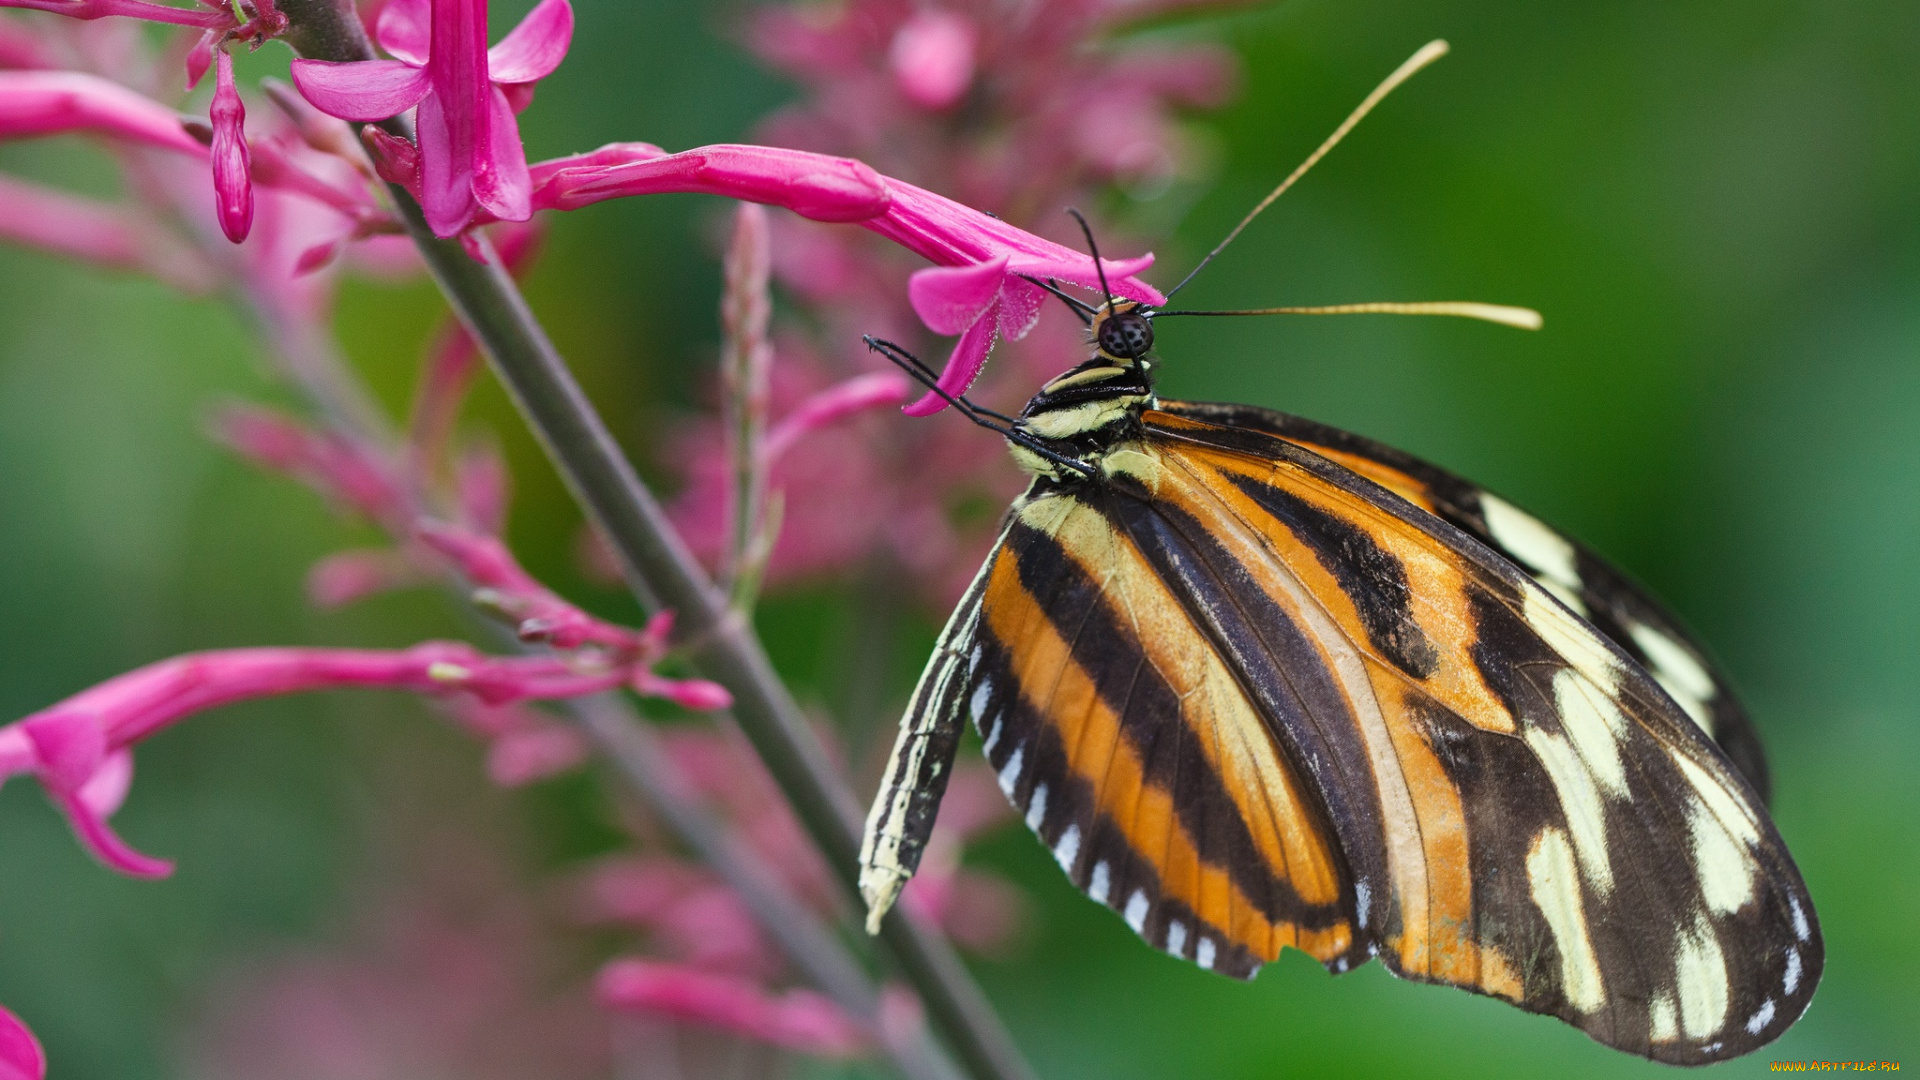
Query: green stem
x,y
662,574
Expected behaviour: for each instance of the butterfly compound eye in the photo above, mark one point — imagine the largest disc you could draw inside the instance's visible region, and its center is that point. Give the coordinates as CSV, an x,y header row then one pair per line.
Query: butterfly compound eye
x,y
1126,334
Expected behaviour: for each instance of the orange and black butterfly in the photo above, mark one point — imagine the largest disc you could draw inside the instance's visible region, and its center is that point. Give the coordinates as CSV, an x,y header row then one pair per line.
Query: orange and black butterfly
x,y
1257,682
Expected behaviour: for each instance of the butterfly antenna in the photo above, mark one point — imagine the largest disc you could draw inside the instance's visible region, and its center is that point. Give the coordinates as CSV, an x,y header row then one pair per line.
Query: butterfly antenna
x,y
1079,306
1431,51
1523,318
1094,250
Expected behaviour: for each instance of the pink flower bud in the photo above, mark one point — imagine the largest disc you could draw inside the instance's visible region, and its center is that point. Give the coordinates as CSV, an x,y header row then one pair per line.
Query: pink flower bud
x,y
698,695
20,1055
232,163
396,160
932,58
200,58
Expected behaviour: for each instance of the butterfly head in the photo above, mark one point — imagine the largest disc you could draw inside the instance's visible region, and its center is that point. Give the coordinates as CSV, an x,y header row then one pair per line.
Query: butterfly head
x,y
1123,331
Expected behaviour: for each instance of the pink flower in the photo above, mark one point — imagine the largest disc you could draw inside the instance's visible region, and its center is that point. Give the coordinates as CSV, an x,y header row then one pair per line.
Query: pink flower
x,y
79,748
347,576
232,164
932,57
98,233
54,102
20,1055
832,405
982,285
208,15
796,1019
471,158
354,476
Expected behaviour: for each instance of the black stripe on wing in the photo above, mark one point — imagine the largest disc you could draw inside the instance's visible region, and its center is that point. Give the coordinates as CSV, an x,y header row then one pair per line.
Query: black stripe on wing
x,y
1617,605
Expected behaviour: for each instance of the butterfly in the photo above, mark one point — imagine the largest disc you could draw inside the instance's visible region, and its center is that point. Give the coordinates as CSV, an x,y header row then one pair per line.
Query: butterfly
x,y
1257,682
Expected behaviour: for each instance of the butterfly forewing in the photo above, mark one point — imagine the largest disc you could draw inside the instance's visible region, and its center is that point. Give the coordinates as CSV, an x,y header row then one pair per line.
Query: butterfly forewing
x,y
1545,824
1593,588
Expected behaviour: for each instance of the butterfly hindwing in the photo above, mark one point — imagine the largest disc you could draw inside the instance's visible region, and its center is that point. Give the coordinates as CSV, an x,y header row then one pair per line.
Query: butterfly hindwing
x,y
1524,811
1136,756
1594,588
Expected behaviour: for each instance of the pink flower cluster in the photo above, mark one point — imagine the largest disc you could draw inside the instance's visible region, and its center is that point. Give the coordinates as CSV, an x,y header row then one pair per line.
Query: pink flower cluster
x,y
708,963
1015,112
1018,112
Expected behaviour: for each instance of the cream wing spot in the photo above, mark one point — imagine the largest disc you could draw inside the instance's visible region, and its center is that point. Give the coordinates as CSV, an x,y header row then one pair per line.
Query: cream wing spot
x,y
1733,814
992,737
1575,641
1555,887
1800,928
1725,867
1203,953
1564,594
977,707
1595,725
1663,1023
1672,658
1525,537
1580,801
1700,976
1791,981
1136,913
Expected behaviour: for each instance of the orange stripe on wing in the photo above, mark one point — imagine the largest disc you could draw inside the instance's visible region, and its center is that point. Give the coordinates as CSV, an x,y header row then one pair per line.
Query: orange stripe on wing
x,y
1426,824
1060,690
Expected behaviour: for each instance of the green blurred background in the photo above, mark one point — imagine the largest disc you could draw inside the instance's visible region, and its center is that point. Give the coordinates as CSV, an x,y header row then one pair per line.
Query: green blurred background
x,y
1714,204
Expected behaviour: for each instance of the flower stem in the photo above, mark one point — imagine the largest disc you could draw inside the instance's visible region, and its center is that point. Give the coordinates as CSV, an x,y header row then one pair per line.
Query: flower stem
x,y
663,574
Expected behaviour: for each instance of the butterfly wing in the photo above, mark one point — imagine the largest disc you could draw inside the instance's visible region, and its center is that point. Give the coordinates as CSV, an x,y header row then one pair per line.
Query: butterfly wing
x,y
1613,602
1128,744
1519,808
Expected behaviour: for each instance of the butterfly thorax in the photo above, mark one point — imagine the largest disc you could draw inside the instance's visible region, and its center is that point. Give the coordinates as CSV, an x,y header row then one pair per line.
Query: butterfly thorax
x,y
1083,413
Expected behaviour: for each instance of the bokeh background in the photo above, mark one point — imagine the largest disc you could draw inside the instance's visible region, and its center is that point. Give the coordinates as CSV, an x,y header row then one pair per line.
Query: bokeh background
x,y
1716,205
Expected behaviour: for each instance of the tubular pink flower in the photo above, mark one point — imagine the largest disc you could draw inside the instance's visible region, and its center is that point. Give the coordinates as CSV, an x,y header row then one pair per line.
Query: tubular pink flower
x,y
21,48
815,186
78,747
471,158
232,163
978,288
932,58
981,284
353,476
97,233
56,102
134,9
20,1055
797,1019
538,614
